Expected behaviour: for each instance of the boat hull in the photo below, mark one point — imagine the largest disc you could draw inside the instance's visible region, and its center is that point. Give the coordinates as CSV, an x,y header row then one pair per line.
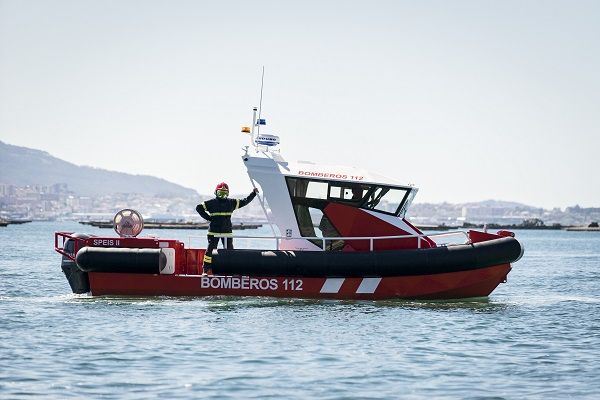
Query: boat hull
x,y
461,284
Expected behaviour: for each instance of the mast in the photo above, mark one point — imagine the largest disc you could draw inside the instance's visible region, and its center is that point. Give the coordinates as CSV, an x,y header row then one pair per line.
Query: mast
x,y
262,84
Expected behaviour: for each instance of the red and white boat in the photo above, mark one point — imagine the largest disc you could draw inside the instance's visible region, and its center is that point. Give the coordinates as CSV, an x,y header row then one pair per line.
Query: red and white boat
x,y
338,232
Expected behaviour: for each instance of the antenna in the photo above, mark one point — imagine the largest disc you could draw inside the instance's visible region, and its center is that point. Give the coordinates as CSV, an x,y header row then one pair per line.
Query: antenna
x,y
262,83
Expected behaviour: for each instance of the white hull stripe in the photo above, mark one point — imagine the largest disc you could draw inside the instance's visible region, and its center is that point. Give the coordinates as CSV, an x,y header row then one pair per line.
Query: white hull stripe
x,y
332,285
368,285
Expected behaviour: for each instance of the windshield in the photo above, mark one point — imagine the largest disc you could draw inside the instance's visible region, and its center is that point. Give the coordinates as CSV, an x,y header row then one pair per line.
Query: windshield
x,y
386,199
318,193
310,198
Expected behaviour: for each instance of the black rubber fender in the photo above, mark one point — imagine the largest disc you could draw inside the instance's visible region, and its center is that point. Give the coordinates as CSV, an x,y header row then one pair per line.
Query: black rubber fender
x,y
127,260
380,263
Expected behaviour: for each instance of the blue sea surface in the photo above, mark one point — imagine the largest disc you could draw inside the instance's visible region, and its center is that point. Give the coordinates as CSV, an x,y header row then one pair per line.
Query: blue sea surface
x,y
536,336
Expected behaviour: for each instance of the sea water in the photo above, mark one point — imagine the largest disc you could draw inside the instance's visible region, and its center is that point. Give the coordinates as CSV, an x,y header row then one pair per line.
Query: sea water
x,y
536,336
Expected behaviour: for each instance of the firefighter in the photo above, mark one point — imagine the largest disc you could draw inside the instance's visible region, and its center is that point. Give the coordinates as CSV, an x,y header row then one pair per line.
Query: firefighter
x,y
218,211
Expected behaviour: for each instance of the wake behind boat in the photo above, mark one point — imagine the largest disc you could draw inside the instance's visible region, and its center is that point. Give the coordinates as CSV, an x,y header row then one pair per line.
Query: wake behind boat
x,y
343,234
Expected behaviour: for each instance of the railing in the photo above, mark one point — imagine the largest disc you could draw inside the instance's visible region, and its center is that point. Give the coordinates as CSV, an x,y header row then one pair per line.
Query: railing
x,y
60,239
60,247
371,239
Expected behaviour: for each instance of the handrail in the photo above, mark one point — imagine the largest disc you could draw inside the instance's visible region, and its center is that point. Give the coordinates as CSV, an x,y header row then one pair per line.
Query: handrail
x,y
324,240
61,249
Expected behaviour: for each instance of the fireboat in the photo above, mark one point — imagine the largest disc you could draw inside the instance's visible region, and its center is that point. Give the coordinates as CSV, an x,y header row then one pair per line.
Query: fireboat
x,y
338,233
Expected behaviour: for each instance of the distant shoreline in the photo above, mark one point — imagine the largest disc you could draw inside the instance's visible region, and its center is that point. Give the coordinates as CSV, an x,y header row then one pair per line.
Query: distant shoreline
x,y
557,227
258,224
172,225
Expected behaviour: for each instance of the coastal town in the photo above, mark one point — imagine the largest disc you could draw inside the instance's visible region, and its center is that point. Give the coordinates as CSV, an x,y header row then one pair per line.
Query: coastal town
x,y
59,202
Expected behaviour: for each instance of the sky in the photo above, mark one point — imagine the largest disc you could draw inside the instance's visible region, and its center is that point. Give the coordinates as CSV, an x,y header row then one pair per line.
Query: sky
x,y
468,100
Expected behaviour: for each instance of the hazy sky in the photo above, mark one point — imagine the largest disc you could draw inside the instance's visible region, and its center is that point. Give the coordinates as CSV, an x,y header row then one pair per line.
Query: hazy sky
x,y
468,100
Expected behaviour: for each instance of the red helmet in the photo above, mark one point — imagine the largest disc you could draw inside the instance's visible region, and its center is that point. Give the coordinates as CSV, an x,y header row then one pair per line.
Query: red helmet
x,y
222,190
222,186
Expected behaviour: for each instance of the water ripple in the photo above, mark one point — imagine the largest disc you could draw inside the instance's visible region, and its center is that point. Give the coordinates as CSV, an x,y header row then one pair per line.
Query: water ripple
x,y
533,338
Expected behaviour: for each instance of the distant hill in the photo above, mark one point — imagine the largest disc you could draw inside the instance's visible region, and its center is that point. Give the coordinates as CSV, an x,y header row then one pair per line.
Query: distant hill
x,y
24,166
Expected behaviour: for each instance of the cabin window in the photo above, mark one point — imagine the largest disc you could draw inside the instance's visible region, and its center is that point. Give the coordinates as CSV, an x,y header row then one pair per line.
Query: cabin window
x,y
348,192
307,189
386,199
309,198
316,190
